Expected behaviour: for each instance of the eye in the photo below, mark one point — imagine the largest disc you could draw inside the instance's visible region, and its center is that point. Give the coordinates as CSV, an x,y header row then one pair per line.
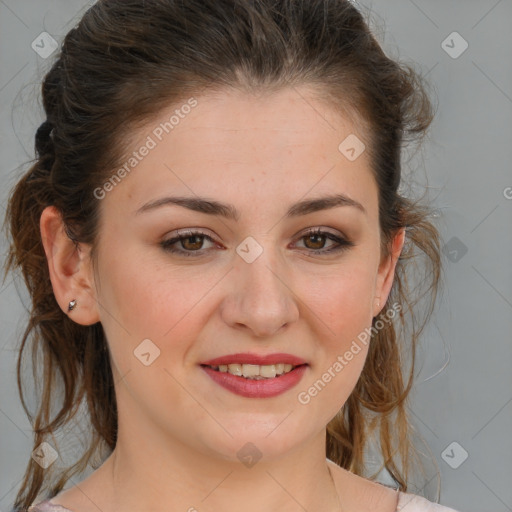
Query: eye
x,y
190,241
315,240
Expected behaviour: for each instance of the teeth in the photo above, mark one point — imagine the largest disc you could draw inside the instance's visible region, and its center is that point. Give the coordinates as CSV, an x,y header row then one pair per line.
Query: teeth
x,y
250,370
235,369
267,371
254,371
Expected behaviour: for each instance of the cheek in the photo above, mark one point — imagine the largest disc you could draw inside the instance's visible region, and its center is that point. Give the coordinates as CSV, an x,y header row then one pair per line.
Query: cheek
x,y
342,300
145,295
341,303
150,300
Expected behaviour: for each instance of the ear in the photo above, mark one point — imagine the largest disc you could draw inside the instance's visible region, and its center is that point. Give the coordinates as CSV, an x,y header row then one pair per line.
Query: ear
x,y
386,272
70,268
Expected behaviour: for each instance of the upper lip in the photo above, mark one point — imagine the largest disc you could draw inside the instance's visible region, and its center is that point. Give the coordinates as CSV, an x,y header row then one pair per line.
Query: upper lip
x,y
256,359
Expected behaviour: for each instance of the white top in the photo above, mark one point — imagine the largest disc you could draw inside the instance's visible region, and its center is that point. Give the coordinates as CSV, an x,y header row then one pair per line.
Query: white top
x,y
413,503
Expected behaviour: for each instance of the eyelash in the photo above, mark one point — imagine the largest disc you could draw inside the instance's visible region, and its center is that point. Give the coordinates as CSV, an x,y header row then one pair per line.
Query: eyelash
x,y
343,244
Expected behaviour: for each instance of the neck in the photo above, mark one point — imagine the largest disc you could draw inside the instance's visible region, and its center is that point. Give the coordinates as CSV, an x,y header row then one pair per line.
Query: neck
x,y
163,475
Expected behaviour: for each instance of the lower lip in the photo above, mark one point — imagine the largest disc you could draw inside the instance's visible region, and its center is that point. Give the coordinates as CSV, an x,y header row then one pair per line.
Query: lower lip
x,y
264,388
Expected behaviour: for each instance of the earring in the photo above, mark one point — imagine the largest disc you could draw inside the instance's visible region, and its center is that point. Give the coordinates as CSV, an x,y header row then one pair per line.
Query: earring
x,y
71,305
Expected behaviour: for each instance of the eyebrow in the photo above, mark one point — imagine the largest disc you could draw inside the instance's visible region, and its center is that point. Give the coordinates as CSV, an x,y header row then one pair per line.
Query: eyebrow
x,y
228,211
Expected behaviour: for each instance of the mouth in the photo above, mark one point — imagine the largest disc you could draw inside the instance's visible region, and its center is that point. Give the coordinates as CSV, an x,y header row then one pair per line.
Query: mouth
x,y
255,371
255,375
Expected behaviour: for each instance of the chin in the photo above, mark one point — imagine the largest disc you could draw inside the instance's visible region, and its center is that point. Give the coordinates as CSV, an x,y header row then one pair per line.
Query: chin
x,y
252,446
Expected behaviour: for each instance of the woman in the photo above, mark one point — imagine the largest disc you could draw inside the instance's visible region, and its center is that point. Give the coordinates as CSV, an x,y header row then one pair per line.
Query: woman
x,y
216,250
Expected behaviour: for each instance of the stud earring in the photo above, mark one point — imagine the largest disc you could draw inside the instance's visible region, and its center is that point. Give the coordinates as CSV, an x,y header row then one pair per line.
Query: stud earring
x,y
71,305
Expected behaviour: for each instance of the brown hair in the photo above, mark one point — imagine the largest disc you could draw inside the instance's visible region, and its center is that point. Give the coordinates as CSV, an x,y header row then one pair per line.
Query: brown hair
x,y
124,62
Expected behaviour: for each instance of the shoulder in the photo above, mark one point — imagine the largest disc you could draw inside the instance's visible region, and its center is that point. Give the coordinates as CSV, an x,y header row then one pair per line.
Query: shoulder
x,y
47,506
368,495
414,503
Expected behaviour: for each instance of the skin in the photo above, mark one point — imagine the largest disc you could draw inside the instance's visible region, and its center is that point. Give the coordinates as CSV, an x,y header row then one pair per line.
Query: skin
x,y
179,432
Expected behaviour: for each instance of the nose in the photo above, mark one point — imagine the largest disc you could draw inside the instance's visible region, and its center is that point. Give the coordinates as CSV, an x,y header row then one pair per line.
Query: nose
x,y
261,298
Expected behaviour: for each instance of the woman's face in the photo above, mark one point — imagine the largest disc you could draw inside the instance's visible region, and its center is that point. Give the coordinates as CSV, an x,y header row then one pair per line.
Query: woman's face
x,y
248,280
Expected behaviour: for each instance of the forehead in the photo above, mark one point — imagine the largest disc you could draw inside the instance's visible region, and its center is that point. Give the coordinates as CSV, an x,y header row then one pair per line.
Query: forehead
x,y
271,146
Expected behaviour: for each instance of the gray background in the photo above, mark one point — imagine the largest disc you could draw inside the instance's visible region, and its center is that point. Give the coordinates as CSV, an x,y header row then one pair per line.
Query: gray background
x,y
463,392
